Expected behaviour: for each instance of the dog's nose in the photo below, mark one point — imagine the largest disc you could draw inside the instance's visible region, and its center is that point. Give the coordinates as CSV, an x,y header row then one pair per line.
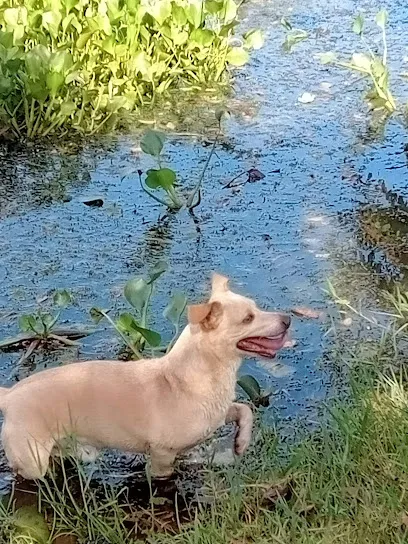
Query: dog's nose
x,y
286,320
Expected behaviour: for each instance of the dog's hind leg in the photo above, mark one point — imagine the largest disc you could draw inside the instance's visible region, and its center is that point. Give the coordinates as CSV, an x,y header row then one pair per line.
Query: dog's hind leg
x,y
241,414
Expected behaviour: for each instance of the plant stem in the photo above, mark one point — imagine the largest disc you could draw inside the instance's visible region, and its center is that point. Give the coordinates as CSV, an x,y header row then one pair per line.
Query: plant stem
x,y
193,193
123,336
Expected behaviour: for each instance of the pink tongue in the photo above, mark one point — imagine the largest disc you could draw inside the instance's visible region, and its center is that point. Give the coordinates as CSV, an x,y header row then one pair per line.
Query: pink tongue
x,y
261,344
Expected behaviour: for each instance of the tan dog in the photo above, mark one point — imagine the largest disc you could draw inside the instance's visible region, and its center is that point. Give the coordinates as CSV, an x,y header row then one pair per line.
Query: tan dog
x,y
158,406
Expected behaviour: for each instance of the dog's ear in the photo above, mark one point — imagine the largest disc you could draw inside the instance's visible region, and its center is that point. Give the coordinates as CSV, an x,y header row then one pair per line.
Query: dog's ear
x,y
219,283
207,315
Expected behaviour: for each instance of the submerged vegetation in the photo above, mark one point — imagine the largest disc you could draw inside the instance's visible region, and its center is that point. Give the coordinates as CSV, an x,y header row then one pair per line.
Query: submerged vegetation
x,y
77,65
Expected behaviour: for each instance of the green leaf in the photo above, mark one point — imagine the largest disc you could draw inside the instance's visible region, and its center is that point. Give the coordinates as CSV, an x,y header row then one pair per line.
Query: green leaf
x,y
48,321
61,61
251,386
254,39
237,56
358,24
27,323
175,308
230,11
202,37
362,61
327,58
294,38
51,21
285,23
152,142
68,108
194,13
158,269
382,18
54,82
30,526
62,298
214,6
164,178
83,40
96,314
126,323
137,292
179,16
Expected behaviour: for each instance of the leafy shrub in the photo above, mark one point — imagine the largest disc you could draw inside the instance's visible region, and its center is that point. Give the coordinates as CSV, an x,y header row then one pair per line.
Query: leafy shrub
x,y
77,64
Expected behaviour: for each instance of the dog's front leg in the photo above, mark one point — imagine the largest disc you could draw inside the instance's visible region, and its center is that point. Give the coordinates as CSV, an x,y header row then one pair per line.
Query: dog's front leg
x,y
241,414
162,462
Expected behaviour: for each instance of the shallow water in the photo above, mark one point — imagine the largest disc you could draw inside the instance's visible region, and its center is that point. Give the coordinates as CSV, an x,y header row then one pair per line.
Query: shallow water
x,y
278,238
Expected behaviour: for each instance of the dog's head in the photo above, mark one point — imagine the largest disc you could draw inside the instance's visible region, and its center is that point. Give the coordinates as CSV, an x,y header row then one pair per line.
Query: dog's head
x,y
235,324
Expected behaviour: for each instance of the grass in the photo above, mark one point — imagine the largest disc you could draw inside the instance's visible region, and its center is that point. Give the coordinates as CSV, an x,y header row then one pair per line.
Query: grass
x,y
345,482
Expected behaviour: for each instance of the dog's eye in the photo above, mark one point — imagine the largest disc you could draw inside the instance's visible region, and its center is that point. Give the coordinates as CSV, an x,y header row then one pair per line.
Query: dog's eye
x,y
249,318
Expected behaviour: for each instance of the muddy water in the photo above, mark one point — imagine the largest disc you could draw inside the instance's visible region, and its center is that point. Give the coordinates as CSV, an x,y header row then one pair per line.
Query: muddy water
x,y
278,238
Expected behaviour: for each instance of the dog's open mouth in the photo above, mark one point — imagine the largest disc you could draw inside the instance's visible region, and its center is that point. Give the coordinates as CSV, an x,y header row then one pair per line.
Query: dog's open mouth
x,y
264,346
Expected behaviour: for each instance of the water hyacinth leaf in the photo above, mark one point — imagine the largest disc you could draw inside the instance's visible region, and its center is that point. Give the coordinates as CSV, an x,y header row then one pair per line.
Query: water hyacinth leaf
x,y
285,23
358,24
61,61
361,61
214,6
237,56
327,58
27,323
158,269
230,11
54,81
164,178
51,21
96,314
126,323
382,18
62,298
152,142
202,37
48,321
293,39
137,292
30,526
175,308
254,39
251,386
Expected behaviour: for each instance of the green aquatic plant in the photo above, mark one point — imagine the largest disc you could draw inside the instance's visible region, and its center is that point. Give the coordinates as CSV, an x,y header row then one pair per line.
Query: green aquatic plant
x,y
80,64
369,64
164,179
134,329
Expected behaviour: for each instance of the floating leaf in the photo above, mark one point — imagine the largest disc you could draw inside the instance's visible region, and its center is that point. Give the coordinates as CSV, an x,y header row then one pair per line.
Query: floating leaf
x,y
62,298
327,58
175,308
237,56
254,39
152,142
285,23
96,314
306,98
358,25
137,292
303,311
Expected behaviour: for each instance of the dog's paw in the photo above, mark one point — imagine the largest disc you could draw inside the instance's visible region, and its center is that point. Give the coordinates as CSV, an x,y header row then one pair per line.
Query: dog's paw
x,y
242,441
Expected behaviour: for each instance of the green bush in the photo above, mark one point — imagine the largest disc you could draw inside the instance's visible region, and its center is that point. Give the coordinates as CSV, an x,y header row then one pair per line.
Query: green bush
x,y
77,64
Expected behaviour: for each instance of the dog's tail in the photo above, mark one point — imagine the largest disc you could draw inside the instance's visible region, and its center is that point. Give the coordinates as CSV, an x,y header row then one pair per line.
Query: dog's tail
x,y
3,396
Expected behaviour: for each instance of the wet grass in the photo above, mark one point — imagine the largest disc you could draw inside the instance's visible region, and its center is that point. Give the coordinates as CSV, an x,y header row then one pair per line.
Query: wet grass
x,y
344,482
